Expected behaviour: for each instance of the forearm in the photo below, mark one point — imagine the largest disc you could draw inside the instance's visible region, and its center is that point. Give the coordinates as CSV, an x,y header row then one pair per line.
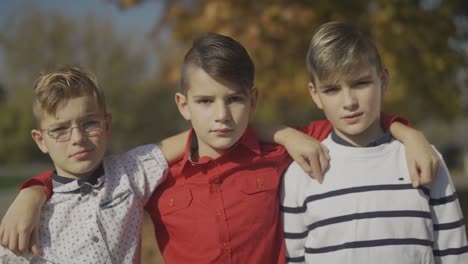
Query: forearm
x,y
173,147
278,134
406,134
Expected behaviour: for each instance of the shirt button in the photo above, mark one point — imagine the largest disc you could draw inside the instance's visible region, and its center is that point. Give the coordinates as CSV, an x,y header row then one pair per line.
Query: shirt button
x,y
79,198
85,188
214,188
95,193
259,182
90,216
171,202
220,216
95,239
226,248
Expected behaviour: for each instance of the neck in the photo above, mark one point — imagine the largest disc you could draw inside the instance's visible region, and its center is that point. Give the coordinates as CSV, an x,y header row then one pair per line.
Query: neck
x,y
362,139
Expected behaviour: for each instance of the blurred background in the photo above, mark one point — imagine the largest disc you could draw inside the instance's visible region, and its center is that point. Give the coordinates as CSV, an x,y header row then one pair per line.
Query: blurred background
x,y
135,48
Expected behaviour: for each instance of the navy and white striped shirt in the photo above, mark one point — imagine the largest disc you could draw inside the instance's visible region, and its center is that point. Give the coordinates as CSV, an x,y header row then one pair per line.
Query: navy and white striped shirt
x,y
366,211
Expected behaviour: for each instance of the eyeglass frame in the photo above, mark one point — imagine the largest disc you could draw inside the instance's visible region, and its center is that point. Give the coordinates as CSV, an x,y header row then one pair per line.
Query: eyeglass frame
x,y
80,126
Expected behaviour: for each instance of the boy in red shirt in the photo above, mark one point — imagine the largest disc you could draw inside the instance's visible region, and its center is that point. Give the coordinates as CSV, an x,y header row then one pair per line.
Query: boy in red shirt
x,y
220,203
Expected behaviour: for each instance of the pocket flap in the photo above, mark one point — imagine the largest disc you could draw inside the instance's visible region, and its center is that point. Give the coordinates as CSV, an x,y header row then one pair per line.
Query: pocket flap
x,y
259,183
116,199
174,200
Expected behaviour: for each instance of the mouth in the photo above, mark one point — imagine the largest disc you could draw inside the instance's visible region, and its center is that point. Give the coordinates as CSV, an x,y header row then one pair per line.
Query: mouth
x,y
222,131
81,154
353,118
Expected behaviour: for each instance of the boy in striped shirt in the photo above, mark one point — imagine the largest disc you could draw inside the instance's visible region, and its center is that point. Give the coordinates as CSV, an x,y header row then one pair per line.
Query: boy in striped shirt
x,y
366,210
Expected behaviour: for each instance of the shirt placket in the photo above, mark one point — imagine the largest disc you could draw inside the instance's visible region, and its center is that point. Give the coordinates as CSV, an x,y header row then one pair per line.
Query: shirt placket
x,y
216,191
95,239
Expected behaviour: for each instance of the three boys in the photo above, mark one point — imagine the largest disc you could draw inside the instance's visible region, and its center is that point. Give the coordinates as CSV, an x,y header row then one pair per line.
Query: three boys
x,y
220,202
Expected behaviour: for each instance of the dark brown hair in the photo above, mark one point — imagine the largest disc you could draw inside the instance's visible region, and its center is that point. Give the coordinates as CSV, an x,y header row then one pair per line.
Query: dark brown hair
x,y
222,58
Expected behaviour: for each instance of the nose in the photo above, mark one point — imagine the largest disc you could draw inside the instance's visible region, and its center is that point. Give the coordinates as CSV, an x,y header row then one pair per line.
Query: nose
x,y
223,113
350,101
77,135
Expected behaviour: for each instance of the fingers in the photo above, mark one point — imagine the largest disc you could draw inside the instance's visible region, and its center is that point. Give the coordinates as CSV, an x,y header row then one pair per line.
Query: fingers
x,y
324,158
311,167
434,169
35,249
315,163
414,174
23,242
13,244
1,235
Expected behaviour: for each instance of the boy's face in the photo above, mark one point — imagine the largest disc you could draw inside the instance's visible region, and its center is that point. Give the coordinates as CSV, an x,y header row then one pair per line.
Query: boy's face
x,y
352,103
219,111
78,153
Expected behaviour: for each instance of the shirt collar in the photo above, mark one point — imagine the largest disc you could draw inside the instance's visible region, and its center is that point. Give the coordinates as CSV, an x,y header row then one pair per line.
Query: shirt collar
x,y
385,138
65,184
248,140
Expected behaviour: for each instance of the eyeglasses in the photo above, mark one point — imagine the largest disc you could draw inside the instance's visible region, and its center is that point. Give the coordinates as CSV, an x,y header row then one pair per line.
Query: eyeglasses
x,y
91,128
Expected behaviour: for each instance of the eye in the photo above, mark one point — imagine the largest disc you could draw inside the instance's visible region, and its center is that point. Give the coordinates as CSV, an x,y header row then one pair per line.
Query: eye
x,y
58,129
204,101
236,99
330,90
90,123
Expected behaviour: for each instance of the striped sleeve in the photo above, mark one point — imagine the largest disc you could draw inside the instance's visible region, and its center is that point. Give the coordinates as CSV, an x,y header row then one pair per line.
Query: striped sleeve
x,y
293,212
450,243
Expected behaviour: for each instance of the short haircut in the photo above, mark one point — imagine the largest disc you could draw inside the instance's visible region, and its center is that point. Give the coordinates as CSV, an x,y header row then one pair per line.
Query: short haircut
x,y
336,49
222,58
54,88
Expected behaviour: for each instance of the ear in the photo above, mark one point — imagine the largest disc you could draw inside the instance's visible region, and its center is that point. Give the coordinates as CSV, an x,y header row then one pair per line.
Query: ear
x,y
108,120
253,97
314,94
39,139
181,101
384,79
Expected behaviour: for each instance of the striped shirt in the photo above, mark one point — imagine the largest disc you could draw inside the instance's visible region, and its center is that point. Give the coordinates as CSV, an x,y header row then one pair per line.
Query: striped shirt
x,y
366,211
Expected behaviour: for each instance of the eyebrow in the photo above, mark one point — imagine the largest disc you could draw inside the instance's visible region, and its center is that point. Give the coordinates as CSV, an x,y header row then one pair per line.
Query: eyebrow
x,y
362,78
67,122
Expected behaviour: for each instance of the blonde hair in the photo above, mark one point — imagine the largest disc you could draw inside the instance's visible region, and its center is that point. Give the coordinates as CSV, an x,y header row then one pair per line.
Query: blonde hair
x,y
336,49
52,89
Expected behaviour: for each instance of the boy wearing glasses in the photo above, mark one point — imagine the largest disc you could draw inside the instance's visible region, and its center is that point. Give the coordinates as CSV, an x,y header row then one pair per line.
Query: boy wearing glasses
x,y
96,211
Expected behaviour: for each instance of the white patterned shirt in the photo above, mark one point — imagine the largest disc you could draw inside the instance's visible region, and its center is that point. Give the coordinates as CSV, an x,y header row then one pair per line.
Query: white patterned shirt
x,y
100,223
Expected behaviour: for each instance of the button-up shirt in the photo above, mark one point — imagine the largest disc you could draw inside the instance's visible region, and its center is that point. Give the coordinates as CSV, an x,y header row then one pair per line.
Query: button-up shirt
x,y
100,221
224,210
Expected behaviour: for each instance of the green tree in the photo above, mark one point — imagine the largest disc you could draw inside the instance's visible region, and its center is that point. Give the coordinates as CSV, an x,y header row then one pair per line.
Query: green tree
x,y
34,42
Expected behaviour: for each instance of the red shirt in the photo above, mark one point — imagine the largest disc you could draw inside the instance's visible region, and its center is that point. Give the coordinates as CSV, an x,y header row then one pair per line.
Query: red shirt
x,y
223,210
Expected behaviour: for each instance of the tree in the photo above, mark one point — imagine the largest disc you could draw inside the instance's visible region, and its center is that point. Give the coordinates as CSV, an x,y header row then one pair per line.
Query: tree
x,y
132,94
419,41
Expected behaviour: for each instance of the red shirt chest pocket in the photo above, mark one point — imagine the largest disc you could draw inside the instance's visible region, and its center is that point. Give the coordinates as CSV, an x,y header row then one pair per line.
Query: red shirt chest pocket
x,y
260,182
174,200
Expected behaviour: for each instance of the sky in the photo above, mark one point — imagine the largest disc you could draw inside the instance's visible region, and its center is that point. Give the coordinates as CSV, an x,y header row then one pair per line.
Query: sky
x,y
138,20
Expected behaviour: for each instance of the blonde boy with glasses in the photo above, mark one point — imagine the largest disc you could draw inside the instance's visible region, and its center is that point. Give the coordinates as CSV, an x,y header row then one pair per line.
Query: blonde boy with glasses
x,y
96,211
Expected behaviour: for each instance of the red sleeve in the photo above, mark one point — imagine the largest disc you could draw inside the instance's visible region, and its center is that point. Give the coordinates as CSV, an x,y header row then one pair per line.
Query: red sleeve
x,y
318,129
44,179
389,119
321,128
